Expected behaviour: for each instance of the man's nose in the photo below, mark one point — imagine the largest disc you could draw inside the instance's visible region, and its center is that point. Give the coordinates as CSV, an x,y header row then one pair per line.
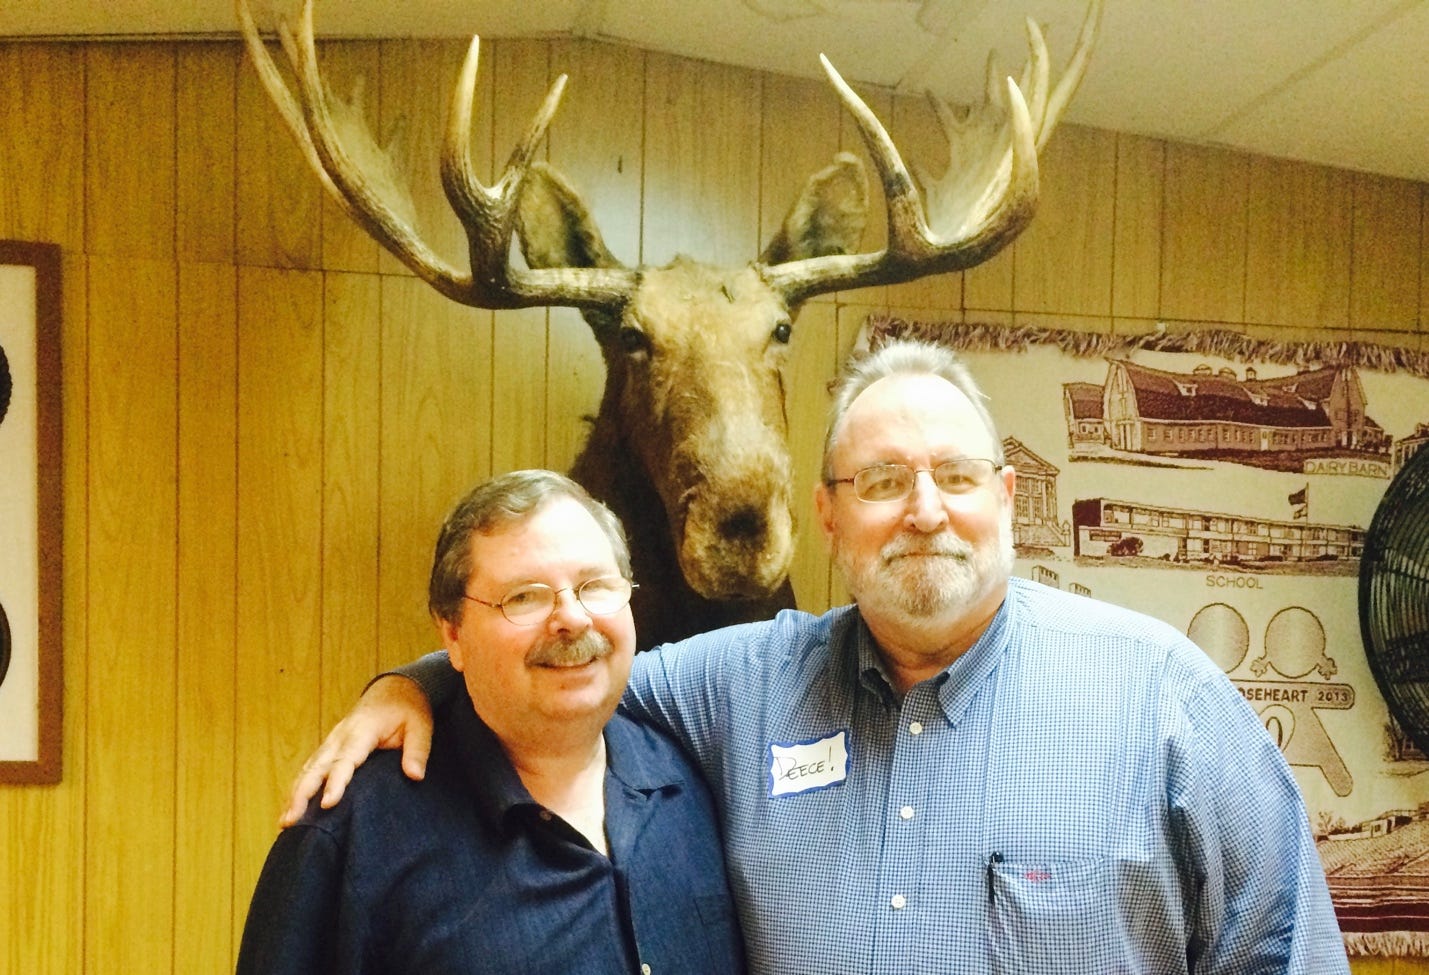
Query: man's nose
x,y
926,510
568,615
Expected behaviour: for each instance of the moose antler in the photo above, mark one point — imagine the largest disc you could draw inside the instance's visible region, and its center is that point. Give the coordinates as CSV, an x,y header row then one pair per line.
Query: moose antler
x,y
984,199
487,214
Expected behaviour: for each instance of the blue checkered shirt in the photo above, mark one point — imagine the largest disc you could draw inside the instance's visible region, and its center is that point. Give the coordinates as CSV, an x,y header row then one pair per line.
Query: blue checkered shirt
x,y
1083,791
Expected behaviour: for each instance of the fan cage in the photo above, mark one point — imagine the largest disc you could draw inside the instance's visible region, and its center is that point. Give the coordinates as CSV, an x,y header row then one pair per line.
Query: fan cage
x,y
1394,598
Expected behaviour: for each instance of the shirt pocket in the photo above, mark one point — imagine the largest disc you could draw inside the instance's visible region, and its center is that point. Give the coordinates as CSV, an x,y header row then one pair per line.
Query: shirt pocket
x,y
1054,915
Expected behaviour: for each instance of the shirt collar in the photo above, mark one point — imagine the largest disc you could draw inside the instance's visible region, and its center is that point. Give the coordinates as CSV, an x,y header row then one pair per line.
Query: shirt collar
x,y
495,787
958,683
641,758
964,678
491,780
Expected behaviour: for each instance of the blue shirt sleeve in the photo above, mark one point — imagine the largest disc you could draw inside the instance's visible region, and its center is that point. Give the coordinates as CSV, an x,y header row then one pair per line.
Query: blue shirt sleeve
x,y
293,919
1254,885
671,688
434,674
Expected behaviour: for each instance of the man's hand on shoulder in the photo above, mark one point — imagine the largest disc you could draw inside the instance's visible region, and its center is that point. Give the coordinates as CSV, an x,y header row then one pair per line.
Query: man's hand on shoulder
x,y
392,713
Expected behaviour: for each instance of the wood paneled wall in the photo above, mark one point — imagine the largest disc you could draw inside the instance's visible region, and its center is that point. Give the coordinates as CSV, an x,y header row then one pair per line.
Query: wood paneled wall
x,y
266,416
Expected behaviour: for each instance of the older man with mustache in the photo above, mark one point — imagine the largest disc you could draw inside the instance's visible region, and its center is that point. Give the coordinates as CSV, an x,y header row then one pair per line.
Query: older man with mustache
x,y
965,771
550,834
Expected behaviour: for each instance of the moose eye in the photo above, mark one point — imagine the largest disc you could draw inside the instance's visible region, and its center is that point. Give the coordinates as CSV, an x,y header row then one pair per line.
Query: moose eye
x,y
782,331
633,341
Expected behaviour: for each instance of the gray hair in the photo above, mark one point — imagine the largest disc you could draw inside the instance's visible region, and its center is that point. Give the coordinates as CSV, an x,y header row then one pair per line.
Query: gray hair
x,y
503,501
902,357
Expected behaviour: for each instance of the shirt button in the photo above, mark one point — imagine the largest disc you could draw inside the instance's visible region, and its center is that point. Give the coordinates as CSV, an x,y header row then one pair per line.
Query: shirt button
x,y
546,815
906,812
916,728
645,969
899,902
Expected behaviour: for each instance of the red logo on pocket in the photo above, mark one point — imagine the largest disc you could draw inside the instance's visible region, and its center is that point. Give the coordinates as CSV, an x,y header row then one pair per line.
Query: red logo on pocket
x,y
1037,874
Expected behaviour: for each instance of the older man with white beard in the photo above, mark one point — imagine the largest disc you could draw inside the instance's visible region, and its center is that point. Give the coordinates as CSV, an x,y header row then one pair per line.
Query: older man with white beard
x,y
963,771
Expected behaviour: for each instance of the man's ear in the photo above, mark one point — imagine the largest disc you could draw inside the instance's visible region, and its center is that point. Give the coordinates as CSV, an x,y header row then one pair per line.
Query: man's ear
x,y
449,631
1009,481
824,506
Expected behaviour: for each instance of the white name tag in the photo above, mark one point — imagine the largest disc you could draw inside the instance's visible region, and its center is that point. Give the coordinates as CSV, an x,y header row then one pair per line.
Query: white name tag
x,y
806,765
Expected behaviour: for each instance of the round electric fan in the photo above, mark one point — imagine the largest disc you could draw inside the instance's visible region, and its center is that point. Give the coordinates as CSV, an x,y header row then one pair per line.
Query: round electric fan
x,y
5,384
1394,598
4,645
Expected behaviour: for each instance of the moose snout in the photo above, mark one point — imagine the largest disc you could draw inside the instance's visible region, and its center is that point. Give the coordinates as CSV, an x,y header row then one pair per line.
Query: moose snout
x,y
746,524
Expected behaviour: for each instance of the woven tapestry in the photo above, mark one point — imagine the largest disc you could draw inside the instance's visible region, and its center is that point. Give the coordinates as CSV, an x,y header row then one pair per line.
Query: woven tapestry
x,y
1226,485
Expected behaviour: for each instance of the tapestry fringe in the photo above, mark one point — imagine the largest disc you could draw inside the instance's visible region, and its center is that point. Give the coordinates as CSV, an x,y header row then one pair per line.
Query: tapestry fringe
x,y
1387,944
976,336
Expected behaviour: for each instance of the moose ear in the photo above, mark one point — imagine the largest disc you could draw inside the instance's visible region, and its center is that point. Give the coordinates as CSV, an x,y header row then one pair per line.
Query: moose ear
x,y
828,216
555,228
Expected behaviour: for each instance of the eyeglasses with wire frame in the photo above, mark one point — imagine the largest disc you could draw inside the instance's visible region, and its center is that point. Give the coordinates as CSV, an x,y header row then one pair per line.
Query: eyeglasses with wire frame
x,y
535,602
894,482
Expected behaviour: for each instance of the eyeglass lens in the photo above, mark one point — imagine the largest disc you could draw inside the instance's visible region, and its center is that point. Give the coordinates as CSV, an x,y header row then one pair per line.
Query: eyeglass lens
x,y
894,482
600,597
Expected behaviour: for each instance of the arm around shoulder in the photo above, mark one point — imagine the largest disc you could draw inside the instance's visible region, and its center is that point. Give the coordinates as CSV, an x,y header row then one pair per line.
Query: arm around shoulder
x,y
395,711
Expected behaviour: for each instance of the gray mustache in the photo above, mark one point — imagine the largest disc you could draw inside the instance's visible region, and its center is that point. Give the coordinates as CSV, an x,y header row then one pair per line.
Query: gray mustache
x,y
950,546
567,652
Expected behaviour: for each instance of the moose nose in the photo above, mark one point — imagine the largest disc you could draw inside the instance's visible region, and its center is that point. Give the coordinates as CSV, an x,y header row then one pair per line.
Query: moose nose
x,y
748,523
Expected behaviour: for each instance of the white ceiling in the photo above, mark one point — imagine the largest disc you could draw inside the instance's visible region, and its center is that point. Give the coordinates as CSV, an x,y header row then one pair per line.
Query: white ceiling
x,y
1338,82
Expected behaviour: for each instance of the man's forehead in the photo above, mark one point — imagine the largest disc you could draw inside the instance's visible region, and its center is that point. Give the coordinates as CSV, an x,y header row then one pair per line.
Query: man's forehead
x,y
896,406
560,533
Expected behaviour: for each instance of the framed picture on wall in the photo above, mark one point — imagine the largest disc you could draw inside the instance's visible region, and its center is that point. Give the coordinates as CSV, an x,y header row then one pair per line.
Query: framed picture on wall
x,y
31,677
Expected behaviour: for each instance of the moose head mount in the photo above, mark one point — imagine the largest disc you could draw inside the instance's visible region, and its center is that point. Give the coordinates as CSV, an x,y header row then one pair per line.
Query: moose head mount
x,y
692,418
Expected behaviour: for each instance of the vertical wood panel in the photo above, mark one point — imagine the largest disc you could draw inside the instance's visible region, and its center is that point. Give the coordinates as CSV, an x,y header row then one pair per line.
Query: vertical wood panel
x,y
207,567
436,442
351,71
814,359
801,136
42,157
596,142
1136,247
280,386
1298,245
1384,286
279,221
42,861
702,161
1204,244
518,409
575,380
352,430
129,834
1063,261
130,132
207,87
1423,259
417,78
988,287
597,137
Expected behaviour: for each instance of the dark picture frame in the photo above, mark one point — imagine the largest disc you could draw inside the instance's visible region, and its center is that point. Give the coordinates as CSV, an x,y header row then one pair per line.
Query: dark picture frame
x,y
31,514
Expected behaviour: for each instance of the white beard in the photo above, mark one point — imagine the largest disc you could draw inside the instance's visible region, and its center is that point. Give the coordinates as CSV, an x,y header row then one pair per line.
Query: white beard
x,y
922,578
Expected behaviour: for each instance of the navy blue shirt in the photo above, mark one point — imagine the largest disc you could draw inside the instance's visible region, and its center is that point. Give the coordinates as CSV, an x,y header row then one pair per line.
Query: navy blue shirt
x,y
464,872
